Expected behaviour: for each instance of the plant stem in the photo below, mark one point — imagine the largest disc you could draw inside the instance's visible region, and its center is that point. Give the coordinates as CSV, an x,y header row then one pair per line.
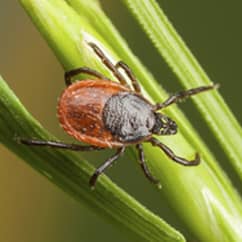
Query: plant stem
x,y
173,49
70,173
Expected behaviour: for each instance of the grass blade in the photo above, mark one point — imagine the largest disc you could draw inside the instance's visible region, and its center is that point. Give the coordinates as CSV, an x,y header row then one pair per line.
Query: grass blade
x,y
170,45
71,174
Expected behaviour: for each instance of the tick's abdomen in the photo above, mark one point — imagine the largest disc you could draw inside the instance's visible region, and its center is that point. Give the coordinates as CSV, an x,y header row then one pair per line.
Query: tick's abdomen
x,y
128,117
80,111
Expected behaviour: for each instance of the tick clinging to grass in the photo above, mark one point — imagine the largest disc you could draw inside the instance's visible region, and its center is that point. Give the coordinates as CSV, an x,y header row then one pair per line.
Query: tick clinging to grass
x,y
110,115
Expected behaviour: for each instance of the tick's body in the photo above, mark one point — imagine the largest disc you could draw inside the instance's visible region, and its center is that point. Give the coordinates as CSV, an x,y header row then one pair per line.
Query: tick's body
x,y
106,114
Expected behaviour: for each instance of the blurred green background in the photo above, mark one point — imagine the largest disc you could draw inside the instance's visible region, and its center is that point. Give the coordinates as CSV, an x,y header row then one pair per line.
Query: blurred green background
x,y
31,208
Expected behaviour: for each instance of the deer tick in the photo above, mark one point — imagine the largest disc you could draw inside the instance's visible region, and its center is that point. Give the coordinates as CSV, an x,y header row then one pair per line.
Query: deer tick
x,y
107,114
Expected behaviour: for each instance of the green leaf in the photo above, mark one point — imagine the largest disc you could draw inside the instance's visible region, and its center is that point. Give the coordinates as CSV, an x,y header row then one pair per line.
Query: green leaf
x,y
69,172
170,46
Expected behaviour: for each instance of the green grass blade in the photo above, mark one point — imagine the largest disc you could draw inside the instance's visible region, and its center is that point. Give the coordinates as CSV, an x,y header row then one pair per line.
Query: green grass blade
x,y
207,196
70,173
190,74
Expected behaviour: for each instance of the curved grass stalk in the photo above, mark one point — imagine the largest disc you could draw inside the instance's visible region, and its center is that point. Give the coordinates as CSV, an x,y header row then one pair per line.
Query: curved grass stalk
x,y
171,46
70,173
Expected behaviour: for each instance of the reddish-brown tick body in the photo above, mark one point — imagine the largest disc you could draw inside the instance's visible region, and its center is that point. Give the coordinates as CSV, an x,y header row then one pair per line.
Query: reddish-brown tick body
x,y
80,111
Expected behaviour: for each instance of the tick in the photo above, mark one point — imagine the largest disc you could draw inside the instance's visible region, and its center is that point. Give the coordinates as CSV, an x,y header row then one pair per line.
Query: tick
x,y
107,114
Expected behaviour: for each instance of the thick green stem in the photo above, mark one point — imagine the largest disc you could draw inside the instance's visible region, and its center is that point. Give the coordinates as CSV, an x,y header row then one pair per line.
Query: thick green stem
x,y
70,173
170,45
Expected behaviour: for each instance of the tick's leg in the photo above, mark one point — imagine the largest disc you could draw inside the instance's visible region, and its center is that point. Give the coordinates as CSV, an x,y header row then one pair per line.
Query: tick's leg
x,y
108,163
144,166
130,74
171,154
56,144
108,64
183,95
85,70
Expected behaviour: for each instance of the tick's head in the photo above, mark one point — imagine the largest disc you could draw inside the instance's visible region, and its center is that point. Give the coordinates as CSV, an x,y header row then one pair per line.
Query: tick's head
x,y
164,125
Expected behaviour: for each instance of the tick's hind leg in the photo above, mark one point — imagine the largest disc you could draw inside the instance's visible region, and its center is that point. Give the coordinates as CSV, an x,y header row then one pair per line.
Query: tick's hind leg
x,y
183,95
57,144
130,74
108,163
144,166
85,70
109,64
172,156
